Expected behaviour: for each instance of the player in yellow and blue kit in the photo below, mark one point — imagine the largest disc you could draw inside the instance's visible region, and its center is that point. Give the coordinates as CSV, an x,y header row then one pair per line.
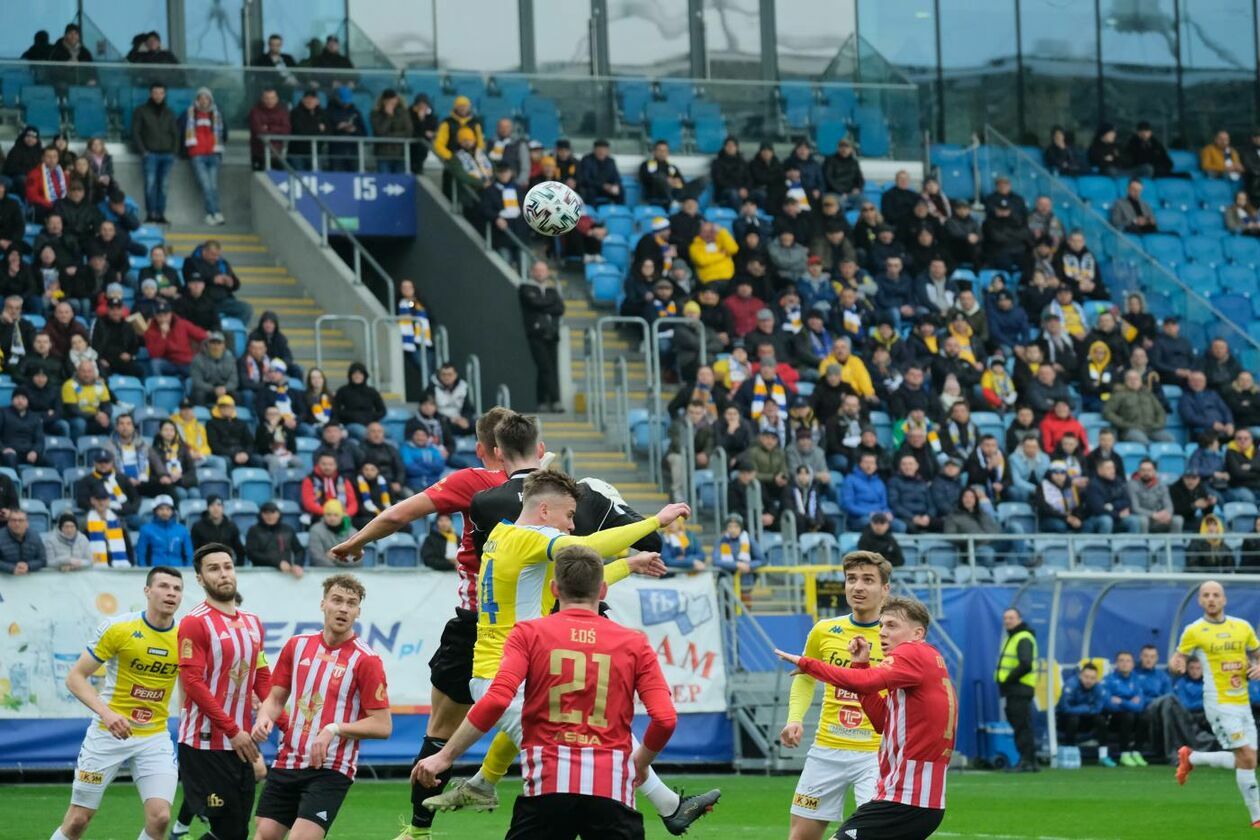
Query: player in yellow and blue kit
x,y
846,746
1230,652
140,653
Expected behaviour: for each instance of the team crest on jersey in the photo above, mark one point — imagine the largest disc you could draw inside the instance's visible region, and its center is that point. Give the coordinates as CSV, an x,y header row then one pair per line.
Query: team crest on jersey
x,y
309,707
186,649
239,672
380,693
91,777
800,800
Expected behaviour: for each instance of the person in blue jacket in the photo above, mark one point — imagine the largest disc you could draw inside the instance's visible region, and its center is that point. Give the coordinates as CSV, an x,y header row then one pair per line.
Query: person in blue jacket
x,y
864,493
163,540
737,550
1124,707
680,550
1188,689
1080,707
1152,679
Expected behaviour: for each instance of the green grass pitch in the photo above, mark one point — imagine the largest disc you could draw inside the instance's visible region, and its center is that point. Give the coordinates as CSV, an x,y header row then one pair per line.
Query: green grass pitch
x,y
1088,804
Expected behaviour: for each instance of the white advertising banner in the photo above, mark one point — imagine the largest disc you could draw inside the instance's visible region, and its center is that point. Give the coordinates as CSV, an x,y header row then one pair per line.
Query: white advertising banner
x,y
46,620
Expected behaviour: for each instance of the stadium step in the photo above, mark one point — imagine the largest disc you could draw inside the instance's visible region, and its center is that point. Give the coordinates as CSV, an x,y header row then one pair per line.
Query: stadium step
x,y
268,286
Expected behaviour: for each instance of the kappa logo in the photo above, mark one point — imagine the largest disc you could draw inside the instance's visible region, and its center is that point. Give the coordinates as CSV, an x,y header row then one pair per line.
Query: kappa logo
x,y
136,634
837,629
214,801
91,777
800,800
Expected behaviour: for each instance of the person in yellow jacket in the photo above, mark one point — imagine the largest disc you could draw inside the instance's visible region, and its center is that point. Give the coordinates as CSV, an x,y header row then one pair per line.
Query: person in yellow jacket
x,y
1219,159
461,116
852,369
1016,678
712,254
192,430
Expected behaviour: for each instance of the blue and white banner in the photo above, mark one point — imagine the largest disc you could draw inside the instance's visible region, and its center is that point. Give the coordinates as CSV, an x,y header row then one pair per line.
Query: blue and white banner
x,y
48,617
367,204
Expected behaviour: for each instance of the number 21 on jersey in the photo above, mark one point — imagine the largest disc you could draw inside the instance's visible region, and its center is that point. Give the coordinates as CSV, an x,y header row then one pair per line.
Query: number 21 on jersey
x,y
603,665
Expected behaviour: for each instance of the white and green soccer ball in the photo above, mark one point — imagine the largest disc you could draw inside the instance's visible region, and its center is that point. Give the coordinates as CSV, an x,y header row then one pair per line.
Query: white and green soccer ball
x,y
552,209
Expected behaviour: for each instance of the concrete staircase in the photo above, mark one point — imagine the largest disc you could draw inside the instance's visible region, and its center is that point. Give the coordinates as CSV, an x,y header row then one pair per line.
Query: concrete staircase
x,y
265,285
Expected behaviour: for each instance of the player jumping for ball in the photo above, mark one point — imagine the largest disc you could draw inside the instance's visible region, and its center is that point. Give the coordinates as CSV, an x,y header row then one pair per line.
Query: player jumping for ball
x,y
1230,653
140,655
844,754
580,674
918,719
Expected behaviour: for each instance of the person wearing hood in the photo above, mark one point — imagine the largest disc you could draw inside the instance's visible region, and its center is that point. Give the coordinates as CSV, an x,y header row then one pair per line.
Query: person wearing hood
x,y
765,175
40,48
204,134
1097,376
213,371
332,527
729,174
1242,463
1105,154
460,117
26,154
344,120
1192,499
1135,411
270,542
1016,678
156,137
1208,551
65,547
163,540
356,403
1058,504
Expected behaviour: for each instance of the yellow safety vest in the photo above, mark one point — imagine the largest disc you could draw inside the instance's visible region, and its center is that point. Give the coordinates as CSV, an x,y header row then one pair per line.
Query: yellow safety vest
x,y
1010,659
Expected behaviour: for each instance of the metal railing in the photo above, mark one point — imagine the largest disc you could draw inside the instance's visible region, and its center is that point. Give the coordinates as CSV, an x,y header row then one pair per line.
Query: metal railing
x,y
588,379
656,399
503,396
296,185
1132,267
369,341
719,464
566,460
390,322
621,406
313,143
472,375
600,383
441,347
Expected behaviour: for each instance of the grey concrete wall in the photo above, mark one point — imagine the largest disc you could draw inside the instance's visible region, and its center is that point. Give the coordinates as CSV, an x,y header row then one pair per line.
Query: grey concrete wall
x,y
324,275
470,291
184,204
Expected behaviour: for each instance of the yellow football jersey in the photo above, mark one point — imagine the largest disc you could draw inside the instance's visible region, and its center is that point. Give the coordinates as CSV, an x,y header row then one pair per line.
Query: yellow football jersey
x,y
843,725
141,666
514,583
1222,647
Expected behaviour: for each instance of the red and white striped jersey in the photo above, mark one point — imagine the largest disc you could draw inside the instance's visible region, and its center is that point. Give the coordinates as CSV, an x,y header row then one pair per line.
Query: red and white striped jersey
x,y
453,494
221,662
918,719
327,685
581,673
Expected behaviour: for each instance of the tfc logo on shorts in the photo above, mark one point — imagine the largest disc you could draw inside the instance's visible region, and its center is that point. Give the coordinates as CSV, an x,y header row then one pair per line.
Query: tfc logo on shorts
x,y
802,801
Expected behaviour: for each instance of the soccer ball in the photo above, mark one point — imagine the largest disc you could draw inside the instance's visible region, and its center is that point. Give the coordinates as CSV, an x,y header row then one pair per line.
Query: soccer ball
x,y
552,209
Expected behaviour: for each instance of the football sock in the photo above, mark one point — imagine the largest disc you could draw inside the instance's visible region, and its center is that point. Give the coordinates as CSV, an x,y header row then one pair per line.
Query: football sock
x,y
499,758
1250,794
664,800
479,780
180,826
422,817
57,835
144,835
1221,758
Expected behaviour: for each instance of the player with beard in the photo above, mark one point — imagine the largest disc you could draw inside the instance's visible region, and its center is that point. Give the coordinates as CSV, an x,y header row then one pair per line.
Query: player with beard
x,y
222,669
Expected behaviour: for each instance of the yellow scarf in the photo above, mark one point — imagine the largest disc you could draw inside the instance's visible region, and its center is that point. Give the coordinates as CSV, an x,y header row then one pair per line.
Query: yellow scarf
x,y
760,394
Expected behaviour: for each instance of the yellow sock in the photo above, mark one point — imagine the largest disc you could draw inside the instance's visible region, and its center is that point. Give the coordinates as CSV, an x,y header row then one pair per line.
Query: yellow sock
x,y
499,758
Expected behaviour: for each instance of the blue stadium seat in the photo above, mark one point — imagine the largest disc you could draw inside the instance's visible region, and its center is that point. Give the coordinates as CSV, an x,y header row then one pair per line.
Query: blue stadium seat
x,y
214,482
1017,517
1207,223
828,134
1198,277
1214,194
37,515
1237,308
678,91
1239,516
89,119
1239,279
60,453
1131,554
668,129
1132,454
616,251
1098,190
290,513
710,134
1169,457
43,483
1205,250
723,216
619,224
512,88
841,97
1094,555
1177,194
872,131
796,93
148,418
399,550
633,96
289,483
88,446
1184,161
699,109
427,81
252,483
127,389
796,116
543,119
12,80
471,85
662,110
1164,248
494,109
606,284
1242,250
46,116
242,512
1172,221
32,94
164,392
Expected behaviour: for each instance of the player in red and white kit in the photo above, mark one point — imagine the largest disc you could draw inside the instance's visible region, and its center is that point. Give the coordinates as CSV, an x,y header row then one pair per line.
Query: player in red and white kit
x,y
221,669
917,718
450,668
581,673
339,697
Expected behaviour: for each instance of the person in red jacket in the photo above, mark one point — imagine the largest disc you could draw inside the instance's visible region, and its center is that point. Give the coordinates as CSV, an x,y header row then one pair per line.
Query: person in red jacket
x,y
1057,423
744,306
46,184
268,116
169,340
204,132
324,484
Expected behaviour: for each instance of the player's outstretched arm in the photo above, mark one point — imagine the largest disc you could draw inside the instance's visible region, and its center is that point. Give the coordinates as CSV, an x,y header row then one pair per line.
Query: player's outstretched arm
x,y
389,521
78,683
269,711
